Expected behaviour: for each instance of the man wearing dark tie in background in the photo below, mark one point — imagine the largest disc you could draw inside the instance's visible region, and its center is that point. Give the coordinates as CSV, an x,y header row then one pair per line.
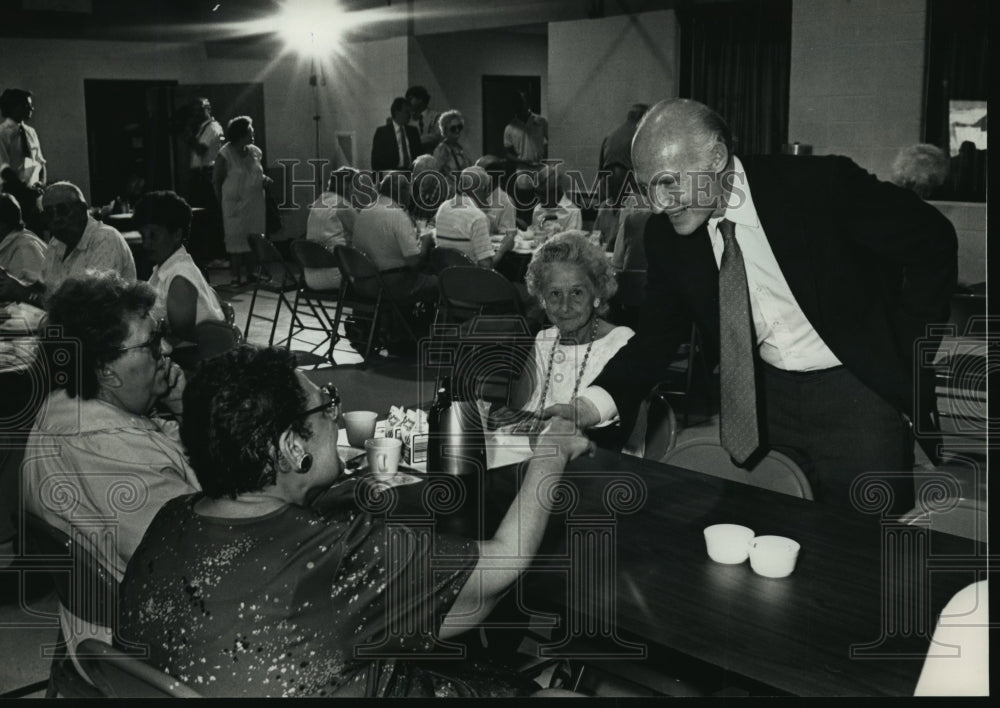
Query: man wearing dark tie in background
x,y
810,279
396,143
22,167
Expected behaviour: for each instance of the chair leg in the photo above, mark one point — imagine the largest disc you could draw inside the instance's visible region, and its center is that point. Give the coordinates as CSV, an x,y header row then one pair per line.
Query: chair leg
x,y
376,315
253,300
291,322
274,322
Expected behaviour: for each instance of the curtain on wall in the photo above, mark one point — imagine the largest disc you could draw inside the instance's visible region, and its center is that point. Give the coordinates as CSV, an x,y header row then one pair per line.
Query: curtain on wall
x,y
957,69
736,59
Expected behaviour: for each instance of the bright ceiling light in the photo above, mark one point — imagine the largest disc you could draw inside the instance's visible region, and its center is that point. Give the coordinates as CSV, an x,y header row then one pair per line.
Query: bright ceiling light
x,y
311,26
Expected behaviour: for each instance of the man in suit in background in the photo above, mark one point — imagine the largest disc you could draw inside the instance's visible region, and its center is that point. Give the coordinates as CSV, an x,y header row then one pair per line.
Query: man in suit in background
x,y
812,281
396,143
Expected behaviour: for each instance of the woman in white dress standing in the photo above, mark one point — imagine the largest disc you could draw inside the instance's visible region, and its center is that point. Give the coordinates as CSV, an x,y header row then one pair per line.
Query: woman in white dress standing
x,y
572,280
239,186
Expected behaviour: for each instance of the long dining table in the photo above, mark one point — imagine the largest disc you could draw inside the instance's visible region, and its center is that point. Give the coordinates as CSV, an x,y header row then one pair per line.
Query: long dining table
x,y
623,566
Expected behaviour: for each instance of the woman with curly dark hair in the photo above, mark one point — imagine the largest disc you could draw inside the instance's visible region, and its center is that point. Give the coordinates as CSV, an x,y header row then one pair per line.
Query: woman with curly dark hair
x,y
112,461
244,590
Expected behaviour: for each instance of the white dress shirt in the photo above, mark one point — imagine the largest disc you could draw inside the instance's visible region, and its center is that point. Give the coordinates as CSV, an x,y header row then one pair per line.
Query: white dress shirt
x,y
787,340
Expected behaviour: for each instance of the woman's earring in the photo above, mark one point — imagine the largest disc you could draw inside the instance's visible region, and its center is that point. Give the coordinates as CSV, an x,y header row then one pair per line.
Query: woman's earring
x,y
305,464
597,302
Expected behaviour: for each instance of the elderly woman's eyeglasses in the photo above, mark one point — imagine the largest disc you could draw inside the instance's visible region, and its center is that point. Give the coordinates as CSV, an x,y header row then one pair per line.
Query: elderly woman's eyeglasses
x,y
456,128
330,408
155,342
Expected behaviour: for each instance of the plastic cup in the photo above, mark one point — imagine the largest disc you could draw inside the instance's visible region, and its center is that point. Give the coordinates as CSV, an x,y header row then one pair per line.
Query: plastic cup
x,y
383,456
773,556
360,426
728,543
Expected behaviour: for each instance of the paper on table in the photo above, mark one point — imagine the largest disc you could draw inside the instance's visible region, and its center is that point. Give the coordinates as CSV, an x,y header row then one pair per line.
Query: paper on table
x,y
504,448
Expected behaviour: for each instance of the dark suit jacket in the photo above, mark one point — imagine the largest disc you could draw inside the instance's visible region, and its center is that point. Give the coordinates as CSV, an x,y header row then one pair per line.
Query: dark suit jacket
x,y
385,149
869,263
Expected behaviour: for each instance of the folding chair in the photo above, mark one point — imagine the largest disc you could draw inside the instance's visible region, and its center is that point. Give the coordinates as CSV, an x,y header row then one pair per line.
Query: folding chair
x,y
274,275
441,258
84,587
467,291
310,254
117,674
363,289
775,471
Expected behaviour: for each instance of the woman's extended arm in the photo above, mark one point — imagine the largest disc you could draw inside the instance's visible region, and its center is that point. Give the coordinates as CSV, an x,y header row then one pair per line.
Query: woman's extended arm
x,y
513,546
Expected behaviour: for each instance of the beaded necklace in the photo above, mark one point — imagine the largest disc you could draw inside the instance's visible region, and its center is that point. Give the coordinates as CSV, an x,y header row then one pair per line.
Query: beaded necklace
x,y
579,376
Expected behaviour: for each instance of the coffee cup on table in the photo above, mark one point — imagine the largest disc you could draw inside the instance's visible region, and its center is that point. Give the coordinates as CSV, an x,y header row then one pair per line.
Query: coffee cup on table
x,y
360,426
773,556
728,543
383,456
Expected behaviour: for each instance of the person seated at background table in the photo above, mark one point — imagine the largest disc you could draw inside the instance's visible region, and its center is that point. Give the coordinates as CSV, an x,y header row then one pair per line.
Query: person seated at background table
x,y
555,211
183,296
615,209
429,188
22,253
331,224
498,208
109,453
385,232
573,282
248,589
462,224
450,153
79,243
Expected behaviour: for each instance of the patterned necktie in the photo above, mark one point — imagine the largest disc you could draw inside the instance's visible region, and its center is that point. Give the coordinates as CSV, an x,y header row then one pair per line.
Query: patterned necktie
x,y
739,434
420,122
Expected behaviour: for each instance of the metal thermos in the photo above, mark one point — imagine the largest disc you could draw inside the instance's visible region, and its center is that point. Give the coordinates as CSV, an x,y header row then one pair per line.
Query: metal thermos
x,y
456,443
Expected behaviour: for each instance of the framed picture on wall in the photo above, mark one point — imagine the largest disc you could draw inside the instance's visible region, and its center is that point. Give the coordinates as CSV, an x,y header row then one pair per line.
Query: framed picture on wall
x,y
967,148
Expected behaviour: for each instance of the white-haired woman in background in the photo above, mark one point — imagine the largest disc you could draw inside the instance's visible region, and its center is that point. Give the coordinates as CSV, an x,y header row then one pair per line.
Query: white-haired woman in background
x,y
450,154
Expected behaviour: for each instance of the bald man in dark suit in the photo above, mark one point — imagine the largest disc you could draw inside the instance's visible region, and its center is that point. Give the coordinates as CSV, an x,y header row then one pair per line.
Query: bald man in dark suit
x,y
841,273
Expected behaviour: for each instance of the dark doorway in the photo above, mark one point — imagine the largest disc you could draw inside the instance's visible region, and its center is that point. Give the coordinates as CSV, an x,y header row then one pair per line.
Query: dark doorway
x,y
128,137
498,109
228,101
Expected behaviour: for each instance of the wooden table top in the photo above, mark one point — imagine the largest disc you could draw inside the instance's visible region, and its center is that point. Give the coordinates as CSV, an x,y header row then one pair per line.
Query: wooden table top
x,y
854,618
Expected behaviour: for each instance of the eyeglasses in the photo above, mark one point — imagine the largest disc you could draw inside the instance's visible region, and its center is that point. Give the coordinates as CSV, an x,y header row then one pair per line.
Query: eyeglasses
x,y
455,129
331,408
155,342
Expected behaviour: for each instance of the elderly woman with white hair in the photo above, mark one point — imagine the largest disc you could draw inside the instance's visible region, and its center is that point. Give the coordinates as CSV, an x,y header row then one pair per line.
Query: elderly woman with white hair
x,y
450,153
573,282
921,168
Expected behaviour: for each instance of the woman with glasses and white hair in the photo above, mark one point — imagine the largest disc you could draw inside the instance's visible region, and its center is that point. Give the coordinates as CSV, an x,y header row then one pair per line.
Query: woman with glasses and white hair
x,y
267,582
450,154
113,460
